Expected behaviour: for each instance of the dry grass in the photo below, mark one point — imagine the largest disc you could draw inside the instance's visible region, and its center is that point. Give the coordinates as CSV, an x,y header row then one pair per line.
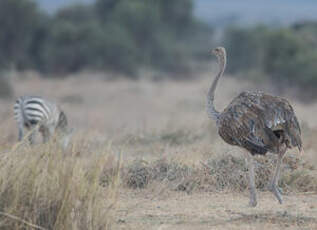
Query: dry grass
x,y
167,145
221,173
42,187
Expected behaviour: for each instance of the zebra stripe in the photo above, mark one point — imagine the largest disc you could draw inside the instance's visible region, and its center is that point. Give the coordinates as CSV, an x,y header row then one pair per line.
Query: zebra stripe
x,y
37,104
35,109
32,110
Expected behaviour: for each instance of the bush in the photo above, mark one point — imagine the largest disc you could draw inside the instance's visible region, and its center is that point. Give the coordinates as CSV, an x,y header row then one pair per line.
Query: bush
x,y
245,48
19,21
121,36
287,55
290,59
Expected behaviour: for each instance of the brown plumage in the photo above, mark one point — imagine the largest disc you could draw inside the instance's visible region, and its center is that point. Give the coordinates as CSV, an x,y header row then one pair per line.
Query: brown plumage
x,y
257,122
260,123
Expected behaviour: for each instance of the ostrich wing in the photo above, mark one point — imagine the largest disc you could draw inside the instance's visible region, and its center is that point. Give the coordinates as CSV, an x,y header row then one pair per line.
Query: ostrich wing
x,y
255,121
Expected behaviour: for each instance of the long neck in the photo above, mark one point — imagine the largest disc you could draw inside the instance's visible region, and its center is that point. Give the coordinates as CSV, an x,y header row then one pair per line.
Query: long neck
x,y
212,112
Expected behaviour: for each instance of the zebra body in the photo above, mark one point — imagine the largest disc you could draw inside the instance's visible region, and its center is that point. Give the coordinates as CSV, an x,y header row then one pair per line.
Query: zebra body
x,y
40,115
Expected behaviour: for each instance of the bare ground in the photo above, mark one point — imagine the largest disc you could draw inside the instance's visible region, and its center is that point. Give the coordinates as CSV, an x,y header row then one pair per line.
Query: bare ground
x,y
175,210
149,121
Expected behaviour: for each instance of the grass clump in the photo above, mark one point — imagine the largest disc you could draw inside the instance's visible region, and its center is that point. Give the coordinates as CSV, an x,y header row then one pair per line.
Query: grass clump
x,y
229,172
43,188
138,175
225,172
178,177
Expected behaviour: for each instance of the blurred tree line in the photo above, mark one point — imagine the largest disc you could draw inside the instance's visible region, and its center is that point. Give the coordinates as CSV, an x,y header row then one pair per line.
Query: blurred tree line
x,y
288,55
115,35
127,35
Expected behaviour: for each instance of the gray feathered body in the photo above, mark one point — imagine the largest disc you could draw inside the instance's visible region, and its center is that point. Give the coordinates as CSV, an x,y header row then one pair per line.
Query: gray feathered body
x,y
260,123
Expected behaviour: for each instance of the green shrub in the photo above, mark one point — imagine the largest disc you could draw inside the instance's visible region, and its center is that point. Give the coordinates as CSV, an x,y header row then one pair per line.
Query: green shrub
x,y
287,55
121,36
19,21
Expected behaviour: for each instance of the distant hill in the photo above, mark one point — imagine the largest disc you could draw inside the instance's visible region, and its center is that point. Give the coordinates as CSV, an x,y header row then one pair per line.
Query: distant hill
x,y
223,12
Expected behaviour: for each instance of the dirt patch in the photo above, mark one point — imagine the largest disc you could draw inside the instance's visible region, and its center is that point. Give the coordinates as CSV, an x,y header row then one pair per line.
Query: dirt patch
x,y
284,219
142,210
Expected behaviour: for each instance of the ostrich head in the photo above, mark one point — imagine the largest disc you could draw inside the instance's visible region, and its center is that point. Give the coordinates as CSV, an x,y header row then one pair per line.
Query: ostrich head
x,y
220,52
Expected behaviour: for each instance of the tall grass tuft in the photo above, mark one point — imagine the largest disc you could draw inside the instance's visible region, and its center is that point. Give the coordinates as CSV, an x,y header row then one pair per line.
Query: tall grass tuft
x,y
42,187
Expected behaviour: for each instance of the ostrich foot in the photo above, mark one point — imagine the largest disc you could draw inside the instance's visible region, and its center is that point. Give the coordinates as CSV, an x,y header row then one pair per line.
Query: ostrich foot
x,y
276,191
252,203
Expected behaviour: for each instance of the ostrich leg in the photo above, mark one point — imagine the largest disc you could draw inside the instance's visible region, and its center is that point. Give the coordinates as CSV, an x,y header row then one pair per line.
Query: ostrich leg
x,y
273,186
251,176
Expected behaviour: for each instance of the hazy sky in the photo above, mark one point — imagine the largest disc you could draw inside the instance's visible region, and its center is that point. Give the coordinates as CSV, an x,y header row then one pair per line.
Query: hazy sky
x,y
52,5
222,12
251,11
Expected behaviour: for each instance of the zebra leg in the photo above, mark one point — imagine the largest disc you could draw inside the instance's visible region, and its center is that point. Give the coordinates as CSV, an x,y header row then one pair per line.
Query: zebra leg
x,y
273,186
31,137
21,132
252,188
51,131
45,137
45,134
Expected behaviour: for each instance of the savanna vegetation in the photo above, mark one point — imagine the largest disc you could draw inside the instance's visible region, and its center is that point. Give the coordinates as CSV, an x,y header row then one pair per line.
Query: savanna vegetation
x,y
113,35
144,154
286,56
128,36
146,158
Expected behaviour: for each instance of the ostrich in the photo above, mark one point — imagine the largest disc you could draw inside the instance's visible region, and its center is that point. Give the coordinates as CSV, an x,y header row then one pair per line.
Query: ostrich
x,y
257,122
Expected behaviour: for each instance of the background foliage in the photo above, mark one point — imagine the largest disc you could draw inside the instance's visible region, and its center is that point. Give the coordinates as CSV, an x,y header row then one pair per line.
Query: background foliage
x,y
115,35
126,36
287,55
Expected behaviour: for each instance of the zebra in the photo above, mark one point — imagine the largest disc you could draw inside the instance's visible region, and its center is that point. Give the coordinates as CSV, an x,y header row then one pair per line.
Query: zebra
x,y
36,114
